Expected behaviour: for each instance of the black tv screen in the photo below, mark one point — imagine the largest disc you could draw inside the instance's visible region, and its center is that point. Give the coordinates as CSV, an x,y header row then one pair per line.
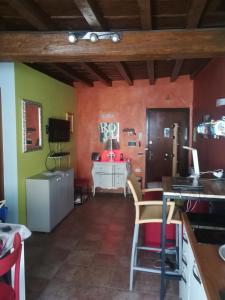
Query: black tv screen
x,y
58,130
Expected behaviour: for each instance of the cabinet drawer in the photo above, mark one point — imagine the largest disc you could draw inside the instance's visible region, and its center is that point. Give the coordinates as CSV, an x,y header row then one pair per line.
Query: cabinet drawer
x,y
186,243
103,181
120,168
103,168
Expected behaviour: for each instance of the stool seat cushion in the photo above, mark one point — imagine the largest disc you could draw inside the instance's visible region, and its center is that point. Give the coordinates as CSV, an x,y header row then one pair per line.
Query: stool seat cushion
x,y
6,292
151,214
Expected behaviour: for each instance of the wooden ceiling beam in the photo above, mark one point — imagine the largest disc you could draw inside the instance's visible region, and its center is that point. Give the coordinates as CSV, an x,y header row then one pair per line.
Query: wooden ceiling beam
x,y
134,46
96,73
31,13
197,70
146,14
195,13
122,69
146,23
193,19
151,71
91,15
71,74
2,24
176,70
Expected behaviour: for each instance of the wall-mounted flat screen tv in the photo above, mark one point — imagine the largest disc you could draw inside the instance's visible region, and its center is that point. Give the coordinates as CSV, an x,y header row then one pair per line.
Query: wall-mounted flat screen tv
x,y
58,130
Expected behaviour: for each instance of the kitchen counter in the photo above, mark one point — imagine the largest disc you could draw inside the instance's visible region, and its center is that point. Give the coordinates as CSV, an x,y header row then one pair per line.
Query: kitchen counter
x,y
211,266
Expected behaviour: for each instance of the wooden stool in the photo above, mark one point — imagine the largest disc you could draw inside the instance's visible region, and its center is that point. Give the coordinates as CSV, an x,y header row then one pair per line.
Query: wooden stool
x,y
151,212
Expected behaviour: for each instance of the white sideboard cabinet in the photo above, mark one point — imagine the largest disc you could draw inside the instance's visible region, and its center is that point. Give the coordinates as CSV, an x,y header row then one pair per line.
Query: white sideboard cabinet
x,y
110,175
50,197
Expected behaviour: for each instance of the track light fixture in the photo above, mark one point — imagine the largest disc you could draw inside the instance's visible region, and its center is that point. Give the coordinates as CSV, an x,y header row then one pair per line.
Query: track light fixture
x,y
115,37
73,37
93,37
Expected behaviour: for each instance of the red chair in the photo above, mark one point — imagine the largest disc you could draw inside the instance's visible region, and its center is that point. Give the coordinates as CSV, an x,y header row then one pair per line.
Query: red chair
x,y
7,292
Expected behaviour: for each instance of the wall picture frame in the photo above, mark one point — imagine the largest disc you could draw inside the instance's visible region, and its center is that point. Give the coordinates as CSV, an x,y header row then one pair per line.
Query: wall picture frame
x,y
31,125
69,117
108,130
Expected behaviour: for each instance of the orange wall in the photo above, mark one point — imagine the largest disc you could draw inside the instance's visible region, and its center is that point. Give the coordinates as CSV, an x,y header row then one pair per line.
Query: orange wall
x,y
128,104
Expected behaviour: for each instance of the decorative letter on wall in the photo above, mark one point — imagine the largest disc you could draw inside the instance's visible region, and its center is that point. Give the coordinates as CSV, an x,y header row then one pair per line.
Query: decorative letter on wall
x,y
108,131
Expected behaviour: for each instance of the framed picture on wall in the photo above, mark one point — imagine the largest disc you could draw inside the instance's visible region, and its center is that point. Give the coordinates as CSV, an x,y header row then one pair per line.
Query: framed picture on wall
x,y
108,130
69,117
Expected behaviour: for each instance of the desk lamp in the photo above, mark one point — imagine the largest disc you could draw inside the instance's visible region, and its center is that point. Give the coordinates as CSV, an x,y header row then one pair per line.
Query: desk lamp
x,y
196,173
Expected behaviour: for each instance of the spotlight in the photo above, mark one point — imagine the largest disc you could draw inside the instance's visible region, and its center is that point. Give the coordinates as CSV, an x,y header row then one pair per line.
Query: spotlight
x,y
72,38
115,37
93,37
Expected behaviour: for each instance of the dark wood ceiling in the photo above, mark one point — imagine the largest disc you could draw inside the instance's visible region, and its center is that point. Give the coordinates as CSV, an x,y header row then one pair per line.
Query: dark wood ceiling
x,y
113,15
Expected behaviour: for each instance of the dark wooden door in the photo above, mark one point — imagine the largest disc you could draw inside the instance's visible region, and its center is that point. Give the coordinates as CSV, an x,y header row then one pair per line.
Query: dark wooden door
x,y
159,149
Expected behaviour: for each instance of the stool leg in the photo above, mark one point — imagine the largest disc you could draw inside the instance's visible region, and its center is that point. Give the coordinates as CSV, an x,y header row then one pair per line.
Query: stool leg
x,y
177,246
133,255
180,246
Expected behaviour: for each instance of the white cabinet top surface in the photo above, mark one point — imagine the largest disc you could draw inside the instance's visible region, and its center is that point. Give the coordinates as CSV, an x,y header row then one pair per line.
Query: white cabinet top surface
x,y
48,175
111,162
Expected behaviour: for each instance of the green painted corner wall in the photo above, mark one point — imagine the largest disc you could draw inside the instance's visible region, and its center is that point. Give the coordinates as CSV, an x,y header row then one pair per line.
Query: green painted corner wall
x,y
56,99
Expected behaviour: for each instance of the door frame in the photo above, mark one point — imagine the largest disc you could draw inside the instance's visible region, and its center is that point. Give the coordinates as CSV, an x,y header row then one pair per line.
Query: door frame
x,y
181,109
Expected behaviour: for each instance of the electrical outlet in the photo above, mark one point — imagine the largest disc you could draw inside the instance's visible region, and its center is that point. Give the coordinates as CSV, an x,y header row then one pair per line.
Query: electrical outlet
x,y
140,153
137,170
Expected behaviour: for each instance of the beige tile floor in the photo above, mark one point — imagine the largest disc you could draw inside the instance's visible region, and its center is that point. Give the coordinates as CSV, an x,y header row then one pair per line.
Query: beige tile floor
x,y
87,256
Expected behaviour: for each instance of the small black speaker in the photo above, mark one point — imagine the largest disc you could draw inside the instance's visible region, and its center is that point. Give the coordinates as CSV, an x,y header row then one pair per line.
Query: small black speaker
x,y
95,156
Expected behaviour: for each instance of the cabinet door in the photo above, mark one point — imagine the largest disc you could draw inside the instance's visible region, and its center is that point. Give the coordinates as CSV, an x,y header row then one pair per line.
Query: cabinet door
x,y
69,191
56,193
104,181
119,181
187,263
196,287
38,206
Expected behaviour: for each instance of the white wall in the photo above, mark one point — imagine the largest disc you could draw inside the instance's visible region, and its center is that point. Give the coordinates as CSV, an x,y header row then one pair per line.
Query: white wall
x,y
7,89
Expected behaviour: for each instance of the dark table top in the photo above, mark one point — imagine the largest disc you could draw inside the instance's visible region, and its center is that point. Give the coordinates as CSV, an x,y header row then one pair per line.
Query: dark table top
x,y
212,189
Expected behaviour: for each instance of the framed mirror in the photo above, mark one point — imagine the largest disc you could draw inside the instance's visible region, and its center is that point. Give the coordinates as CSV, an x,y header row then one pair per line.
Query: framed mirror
x,y
31,120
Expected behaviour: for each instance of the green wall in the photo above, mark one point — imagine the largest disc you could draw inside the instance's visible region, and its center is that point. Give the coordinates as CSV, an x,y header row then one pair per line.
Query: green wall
x,y
56,99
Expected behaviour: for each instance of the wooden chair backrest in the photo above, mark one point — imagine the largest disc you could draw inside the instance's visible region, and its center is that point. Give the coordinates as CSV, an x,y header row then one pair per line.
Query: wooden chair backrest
x,y
138,200
134,187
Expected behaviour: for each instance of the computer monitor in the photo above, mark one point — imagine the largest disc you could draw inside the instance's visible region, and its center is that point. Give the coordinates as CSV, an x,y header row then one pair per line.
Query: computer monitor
x,y
195,161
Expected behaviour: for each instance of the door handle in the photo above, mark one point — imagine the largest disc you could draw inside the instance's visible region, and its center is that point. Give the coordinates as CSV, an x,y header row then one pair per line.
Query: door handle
x,y
166,156
150,154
